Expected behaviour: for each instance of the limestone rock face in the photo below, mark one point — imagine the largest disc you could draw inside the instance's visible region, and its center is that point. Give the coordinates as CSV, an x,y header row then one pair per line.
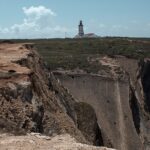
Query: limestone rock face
x,y
27,102
139,72
33,100
120,97
110,108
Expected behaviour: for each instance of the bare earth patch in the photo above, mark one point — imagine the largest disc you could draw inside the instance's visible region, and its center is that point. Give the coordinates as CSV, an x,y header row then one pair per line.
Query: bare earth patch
x,y
35,141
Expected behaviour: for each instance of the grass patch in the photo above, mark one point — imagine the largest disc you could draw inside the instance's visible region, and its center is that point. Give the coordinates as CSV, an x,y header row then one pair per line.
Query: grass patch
x,y
73,53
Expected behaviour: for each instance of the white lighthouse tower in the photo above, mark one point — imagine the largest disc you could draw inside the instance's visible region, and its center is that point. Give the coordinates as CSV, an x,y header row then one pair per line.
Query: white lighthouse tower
x,y
81,31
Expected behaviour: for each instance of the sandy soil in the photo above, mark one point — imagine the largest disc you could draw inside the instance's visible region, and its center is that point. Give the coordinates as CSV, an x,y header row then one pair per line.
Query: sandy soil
x,y
35,141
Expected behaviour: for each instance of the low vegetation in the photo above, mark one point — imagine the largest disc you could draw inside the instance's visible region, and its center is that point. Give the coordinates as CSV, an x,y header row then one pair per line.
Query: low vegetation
x,y
73,53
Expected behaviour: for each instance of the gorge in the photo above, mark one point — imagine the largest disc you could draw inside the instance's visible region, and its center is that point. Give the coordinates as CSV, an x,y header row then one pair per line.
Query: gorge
x,y
109,108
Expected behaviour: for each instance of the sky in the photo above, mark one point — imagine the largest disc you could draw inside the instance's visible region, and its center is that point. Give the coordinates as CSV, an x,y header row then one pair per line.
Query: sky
x,y
60,18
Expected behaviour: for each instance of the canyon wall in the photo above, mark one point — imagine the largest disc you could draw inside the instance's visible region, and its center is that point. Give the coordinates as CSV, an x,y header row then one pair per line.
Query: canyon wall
x,y
33,100
109,108
120,98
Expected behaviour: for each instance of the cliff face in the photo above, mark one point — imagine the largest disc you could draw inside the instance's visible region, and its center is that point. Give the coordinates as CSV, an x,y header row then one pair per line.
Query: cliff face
x,y
119,94
32,100
138,71
27,104
110,108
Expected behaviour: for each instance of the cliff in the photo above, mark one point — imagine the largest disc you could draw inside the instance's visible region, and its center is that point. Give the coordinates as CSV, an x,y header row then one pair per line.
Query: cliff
x,y
119,94
32,100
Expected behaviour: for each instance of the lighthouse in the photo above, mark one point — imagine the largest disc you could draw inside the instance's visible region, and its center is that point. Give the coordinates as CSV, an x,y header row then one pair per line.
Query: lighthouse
x,y
81,31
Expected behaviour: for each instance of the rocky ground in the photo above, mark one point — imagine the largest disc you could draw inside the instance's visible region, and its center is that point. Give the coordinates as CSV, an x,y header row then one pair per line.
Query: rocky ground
x,y
36,141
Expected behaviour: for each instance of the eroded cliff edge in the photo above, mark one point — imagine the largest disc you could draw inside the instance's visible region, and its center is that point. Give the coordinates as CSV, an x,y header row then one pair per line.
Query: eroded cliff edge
x,y
32,100
119,94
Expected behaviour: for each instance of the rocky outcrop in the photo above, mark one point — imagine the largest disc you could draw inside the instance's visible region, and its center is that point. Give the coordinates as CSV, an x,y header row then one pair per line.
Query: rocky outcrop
x,y
87,123
110,108
138,71
80,112
116,93
110,100
26,103
33,100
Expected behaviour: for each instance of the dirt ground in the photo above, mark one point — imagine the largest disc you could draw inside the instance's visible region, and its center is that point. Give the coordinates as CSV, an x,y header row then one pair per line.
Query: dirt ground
x,y
35,141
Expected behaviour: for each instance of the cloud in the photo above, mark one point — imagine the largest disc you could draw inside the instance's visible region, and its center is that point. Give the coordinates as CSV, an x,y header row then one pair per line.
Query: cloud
x,y
38,11
38,23
40,14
